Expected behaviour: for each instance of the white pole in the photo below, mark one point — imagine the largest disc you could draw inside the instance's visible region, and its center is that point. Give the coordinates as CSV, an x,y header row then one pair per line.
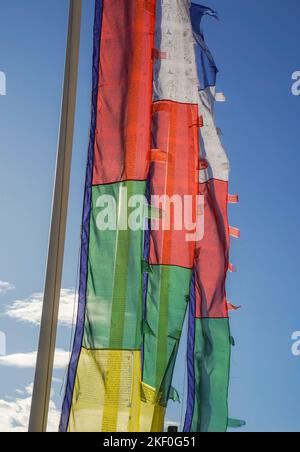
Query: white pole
x,y
45,358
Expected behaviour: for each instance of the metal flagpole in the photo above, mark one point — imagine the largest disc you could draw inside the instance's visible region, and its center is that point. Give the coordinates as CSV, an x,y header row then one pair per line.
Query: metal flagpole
x,y
45,358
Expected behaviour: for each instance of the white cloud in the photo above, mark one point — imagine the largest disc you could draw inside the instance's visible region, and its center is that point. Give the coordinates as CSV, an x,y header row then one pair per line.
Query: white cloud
x,y
6,287
28,360
15,413
29,310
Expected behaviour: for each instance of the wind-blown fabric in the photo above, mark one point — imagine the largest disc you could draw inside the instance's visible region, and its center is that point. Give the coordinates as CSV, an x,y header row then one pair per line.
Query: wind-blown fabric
x,y
209,340
170,257
153,135
103,387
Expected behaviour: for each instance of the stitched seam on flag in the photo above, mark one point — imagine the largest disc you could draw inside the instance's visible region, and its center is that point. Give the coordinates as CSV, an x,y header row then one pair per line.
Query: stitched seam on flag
x,y
211,179
110,349
211,318
119,182
171,265
170,101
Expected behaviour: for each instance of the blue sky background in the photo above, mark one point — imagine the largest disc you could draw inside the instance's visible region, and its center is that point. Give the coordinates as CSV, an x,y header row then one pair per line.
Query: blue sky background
x,y
256,47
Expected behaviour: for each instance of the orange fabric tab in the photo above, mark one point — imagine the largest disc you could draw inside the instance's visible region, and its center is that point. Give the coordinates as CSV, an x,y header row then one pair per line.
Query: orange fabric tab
x,y
159,55
233,199
200,121
202,165
157,155
234,232
197,253
162,106
232,268
232,307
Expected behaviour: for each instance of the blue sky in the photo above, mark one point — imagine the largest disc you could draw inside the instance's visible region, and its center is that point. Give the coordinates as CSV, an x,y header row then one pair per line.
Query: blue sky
x,y
256,47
